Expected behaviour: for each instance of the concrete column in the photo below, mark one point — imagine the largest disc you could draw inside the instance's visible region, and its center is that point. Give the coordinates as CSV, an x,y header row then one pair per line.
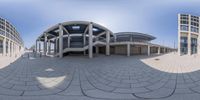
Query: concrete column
x,y
36,44
9,48
198,44
14,49
164,50
17,48
179,36
84,42
45,44
115,38
148,50
158,50
90,49
60,41
49,47
39,46
128,49
97,50
84,39
189,37
55,46
68,41
131,38
4,46
107,43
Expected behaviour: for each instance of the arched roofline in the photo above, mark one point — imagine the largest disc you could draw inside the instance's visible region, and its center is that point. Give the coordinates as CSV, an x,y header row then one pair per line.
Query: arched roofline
x,y
77,22
136,33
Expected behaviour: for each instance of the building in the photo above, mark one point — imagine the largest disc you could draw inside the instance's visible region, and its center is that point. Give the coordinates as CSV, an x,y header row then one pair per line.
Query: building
x,y
88,38
188,34
11,44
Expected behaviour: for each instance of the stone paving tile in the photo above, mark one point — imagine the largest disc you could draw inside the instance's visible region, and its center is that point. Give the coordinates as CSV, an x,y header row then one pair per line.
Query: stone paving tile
x,y
80,78
108,95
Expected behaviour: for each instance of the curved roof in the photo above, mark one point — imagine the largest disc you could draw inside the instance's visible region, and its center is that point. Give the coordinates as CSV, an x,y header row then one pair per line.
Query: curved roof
x,y
136,35
75,27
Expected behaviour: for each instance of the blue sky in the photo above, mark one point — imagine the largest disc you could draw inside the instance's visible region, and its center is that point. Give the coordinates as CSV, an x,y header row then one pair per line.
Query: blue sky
x,y
155,17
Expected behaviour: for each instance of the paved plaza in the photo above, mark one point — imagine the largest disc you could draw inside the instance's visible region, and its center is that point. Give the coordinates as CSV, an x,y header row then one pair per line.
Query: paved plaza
x,y
114,77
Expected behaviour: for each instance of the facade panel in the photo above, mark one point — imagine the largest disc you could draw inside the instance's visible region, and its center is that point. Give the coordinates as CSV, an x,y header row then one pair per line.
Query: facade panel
x,y
9,39
188,34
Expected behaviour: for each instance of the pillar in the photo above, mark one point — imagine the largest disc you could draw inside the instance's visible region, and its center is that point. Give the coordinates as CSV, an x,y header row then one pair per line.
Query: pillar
x,y
60,41
179,36
84,42
97,50
189,37
49,47
90,49
115,38
107,43
128,49
9,48
14,48
164,50
39,46
131,38
148,50
45,44
55,46
36,44
158,50
68,41
4,46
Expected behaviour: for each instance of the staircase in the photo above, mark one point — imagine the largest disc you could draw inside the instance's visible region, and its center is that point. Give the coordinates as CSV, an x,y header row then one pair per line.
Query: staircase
x,y
81,48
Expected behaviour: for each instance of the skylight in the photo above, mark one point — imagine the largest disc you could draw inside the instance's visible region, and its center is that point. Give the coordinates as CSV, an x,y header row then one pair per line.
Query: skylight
x,y
75,27
95,29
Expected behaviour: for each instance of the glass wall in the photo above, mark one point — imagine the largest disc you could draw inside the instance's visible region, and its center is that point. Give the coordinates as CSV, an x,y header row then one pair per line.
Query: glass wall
x,y
194,24
1,46
184,45
193,45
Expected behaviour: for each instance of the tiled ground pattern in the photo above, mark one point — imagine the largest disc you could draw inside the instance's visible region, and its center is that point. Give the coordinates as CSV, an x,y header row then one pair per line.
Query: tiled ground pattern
x,y
102,78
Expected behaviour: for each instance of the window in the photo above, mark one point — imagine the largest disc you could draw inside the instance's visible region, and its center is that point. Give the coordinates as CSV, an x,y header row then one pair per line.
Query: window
x,y
183,39
193,45
194,29
184,22
195,24
184,28
183,16
1,32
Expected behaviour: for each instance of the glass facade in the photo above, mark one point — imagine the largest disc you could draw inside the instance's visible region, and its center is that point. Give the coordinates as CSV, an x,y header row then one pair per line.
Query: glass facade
x,y
1,46
184,45
193,45
194,23
189,26
11,32
184,27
